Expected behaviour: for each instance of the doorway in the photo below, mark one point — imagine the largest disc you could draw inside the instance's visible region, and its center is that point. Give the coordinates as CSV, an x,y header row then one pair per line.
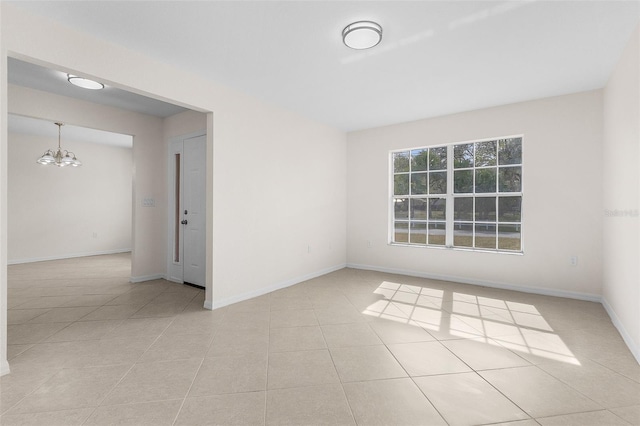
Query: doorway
x,y
187,218
66,212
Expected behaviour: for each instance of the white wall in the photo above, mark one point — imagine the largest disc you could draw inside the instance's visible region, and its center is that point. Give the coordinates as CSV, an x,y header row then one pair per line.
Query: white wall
x,y
275,183
4,365
621,160
562,194
72,211
182,124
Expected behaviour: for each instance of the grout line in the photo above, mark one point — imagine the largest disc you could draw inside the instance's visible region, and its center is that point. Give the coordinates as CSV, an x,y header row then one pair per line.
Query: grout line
x,y
188,390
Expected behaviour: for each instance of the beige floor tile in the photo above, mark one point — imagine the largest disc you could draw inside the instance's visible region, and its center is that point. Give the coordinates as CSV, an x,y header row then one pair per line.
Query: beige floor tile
x,y
89,300
63,314
290,303
139,328
551,397
155,381
175,346
112,312
343,335
20,334
389,309
54,355
443,325
339,315
82,353
631,413
484,354
289,293
141,414
17,302
413,358
53,418
132,298
9,398
245,320
589,366
199,321
22,380
622,363
467,399
593,418
293,318
315,405
529,422
360,363
231,374
258,304
175,297
303,368
391,332
22,316
72,388
46,302
15,350
196,305
84,330
327,299
538,346
232,342
238,409
158,310
296,339
390,402
607,388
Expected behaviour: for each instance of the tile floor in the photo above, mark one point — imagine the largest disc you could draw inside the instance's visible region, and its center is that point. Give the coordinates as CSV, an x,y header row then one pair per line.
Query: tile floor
x,y
353,347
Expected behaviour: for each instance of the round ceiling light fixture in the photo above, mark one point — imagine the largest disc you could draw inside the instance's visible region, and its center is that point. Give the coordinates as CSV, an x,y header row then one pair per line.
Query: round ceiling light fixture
x,y
362,35
85,83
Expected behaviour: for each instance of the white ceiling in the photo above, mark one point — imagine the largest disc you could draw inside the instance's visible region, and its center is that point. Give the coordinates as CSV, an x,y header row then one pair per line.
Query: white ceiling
x,y
435,58
29,75
35,126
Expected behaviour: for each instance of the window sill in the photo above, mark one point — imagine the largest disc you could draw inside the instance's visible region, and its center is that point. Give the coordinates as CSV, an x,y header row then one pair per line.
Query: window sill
x,y
472,250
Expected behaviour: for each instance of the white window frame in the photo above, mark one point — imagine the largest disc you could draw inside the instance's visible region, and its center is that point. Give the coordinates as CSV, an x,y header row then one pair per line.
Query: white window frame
x,y
450,196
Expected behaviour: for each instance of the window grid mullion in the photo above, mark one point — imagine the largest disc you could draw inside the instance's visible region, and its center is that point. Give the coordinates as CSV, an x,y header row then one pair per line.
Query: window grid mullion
x,y
448,229
450,196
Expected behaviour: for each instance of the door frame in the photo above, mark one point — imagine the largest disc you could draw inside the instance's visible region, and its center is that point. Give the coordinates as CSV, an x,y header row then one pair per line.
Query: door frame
x,y
175,269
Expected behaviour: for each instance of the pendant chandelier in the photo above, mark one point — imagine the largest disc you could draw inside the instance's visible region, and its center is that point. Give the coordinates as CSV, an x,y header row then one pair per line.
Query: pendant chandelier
x,y
59,158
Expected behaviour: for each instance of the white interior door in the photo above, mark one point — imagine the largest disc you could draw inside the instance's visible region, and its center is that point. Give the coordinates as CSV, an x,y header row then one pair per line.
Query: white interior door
x,y
187,210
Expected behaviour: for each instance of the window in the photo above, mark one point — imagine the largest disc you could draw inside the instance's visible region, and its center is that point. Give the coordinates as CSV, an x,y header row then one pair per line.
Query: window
x,y
466,195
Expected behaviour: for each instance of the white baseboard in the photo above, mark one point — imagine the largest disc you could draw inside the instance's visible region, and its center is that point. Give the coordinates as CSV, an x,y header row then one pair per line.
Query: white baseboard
x,y
4,367
66,256
143,278
277,286
492,284
631,344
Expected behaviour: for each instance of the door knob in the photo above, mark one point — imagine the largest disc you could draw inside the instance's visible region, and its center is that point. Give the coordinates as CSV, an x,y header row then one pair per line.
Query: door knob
x,y
184,222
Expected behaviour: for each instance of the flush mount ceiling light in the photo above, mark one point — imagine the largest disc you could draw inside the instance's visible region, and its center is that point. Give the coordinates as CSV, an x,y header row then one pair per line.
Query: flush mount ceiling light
x,y
362,35
85,83
59,158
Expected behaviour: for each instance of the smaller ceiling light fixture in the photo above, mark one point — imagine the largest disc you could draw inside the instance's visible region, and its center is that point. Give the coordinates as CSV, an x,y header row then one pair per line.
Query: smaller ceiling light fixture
x,y
362,35
59,158
85,83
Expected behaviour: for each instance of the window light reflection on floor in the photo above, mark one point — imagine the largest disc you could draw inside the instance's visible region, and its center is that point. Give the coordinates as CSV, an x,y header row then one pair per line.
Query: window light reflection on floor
x,y
513,325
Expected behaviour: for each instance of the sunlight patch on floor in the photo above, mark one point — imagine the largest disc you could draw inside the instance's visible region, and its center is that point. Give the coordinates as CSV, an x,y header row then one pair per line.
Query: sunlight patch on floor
x,y
513,325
